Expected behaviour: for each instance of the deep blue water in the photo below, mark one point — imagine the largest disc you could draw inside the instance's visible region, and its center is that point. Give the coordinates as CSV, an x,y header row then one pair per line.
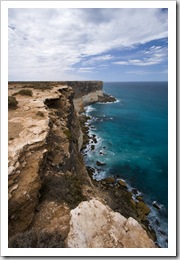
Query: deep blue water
x,y
133,139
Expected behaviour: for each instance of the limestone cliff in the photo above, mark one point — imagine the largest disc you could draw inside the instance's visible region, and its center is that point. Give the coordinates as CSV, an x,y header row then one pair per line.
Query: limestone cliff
x,y
88,92
47,175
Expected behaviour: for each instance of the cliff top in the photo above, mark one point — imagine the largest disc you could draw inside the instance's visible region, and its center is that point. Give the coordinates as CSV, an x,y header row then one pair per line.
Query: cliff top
x,y
80,87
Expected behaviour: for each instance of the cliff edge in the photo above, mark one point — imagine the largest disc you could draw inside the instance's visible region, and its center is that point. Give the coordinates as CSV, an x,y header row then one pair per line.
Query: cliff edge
x,y
52,199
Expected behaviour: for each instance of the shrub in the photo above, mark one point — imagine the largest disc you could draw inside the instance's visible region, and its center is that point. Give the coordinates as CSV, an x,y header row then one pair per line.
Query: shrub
x,y
39,113
12,102
25,92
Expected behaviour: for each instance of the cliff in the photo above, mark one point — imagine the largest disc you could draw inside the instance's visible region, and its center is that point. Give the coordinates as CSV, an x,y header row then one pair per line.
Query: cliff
x,y
47,177
86,93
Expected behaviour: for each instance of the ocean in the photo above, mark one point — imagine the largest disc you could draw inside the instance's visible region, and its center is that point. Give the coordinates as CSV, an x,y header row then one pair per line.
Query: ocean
x,y
132,141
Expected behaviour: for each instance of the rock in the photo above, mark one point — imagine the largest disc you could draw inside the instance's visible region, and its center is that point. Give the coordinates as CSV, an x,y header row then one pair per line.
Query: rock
x,y
140,198
155,205
107,229
134,191
109,180
100,163
101,152
14,187
92,147
122,183
90,170
10,170
143,208
17,164
95,140
106,98
23,164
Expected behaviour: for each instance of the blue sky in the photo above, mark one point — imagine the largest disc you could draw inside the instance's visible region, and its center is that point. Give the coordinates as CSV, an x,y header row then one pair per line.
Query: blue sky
x,y
88,44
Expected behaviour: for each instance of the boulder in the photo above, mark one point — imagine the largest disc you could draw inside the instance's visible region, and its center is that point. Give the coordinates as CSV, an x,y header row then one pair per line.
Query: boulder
x,y
106,98
109,180
107,229
100,163
142,209
140,198
155,205
92,147
122,183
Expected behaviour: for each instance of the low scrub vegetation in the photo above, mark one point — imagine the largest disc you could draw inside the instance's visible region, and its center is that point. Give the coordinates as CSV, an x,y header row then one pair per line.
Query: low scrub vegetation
x,y
25,92
66,188
39,85
39,113
12,102
36,239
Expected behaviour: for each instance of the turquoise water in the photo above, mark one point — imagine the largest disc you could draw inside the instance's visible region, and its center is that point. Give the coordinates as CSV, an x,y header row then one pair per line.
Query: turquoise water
x,y
132,136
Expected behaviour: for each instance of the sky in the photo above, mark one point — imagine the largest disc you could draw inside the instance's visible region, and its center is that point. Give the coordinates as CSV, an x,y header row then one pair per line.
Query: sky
x,y
120,44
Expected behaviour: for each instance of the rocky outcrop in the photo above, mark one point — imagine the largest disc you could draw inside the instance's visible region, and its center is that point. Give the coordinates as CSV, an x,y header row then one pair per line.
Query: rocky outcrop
x,y
94,225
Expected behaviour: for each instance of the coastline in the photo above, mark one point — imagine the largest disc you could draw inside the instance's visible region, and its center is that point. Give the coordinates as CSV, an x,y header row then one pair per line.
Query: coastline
x,y
104,118
119,195
43,195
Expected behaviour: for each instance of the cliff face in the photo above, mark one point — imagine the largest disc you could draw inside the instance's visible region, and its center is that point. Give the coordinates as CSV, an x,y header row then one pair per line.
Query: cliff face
x,y
83,88
47,176
88,92
44,142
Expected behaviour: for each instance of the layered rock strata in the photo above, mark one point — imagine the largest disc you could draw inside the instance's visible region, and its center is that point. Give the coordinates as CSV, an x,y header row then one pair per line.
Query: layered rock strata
x,y
47,176
88,92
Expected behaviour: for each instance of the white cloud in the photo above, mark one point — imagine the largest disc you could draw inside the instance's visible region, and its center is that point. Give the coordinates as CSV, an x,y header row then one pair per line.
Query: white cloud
x,y
98,59
86,69
139,72
155,55
54,40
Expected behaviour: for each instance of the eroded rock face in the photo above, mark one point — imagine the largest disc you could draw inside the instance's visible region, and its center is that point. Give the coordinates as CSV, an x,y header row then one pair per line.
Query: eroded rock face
x,y
94,225
43,152
28,129
87,99
88,92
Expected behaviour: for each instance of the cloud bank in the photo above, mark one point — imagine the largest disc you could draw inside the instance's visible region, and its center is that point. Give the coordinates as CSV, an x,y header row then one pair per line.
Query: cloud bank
x,y
64,44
